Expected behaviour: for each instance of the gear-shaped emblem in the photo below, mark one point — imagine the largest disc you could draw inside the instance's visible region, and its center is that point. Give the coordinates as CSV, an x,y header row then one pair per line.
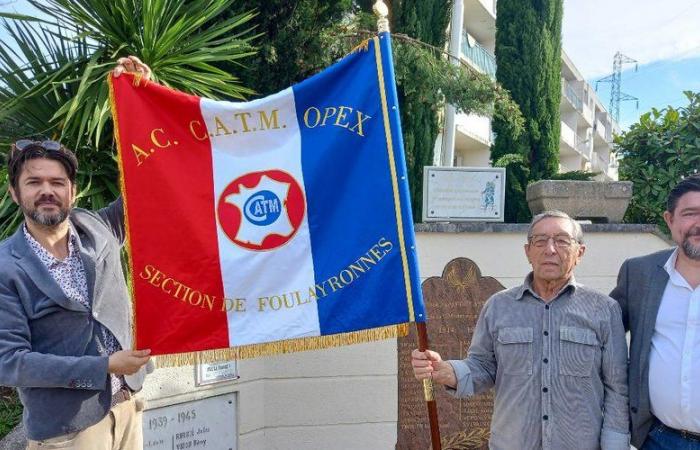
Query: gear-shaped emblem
x,y
261,210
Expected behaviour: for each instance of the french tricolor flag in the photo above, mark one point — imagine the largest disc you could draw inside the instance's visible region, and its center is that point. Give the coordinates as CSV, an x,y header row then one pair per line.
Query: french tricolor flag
x,y
269,226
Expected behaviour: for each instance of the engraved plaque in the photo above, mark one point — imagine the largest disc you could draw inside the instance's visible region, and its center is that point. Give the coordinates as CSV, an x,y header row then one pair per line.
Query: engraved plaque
x,y
202,424
453,302
215,373
459,194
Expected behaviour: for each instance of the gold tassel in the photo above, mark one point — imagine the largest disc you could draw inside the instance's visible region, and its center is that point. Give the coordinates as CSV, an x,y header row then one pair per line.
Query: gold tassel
x,y
362,46
280,347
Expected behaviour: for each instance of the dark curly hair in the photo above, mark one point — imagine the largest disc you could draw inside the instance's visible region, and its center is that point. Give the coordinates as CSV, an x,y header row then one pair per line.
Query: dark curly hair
x,y
37,149
688,184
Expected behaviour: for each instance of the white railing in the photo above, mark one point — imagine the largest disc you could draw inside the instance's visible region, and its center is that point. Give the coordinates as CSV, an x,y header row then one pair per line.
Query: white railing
x,y
573,97
478,56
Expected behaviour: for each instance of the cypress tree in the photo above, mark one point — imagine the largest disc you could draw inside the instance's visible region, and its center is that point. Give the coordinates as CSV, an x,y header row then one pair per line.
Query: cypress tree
x,y
293,43
528,52
425,20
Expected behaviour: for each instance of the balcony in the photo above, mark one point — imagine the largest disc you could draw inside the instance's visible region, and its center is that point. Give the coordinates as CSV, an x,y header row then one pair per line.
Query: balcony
x,y
480,19
570,94
587,114
567,136
600,131
478,56
476,127
584,146
600,162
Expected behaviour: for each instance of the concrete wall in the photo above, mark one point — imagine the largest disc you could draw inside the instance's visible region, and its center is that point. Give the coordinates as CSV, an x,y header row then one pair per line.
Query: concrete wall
x,y
346,398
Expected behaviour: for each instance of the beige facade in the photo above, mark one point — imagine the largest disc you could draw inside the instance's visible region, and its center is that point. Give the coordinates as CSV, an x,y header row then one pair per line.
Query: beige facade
x,y
587,128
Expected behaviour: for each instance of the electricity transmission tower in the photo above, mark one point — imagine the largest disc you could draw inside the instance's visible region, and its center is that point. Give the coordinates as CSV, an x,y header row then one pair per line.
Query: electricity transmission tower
x,y
615,78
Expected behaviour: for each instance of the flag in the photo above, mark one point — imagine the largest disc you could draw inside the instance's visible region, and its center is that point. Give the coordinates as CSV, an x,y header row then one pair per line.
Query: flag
x,y
268,226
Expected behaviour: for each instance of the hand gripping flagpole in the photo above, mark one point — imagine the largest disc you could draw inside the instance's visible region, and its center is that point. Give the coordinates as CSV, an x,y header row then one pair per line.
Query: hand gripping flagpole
x,y
382,13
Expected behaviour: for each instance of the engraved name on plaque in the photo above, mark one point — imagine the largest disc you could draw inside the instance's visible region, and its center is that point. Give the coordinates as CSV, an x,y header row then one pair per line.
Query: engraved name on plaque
x,y
209,423
215,372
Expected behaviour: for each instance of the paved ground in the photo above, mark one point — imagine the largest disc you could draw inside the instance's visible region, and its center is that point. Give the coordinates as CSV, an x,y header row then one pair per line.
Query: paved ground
x,y
15,440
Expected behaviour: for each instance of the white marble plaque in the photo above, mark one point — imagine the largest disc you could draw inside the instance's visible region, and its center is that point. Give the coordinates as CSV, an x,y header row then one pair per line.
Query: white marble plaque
x,y
463,194
209,423
216,372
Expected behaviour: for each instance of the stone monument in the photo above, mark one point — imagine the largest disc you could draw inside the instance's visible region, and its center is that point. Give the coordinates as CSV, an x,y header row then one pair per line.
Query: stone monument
x,y
604,201
453,302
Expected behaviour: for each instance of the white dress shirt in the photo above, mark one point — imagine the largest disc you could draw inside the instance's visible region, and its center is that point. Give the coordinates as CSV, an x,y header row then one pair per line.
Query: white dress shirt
x,y
674,361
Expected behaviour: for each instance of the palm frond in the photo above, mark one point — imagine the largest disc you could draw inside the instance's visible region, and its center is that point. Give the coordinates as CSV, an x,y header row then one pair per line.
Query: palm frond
x,y
53,71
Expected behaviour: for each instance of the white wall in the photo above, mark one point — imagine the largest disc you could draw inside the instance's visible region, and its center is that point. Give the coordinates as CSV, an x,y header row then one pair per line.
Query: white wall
x,y
346,398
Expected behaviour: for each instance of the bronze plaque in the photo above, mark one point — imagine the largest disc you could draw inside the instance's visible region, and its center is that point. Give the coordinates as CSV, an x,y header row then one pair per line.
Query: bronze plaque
x,y
453,302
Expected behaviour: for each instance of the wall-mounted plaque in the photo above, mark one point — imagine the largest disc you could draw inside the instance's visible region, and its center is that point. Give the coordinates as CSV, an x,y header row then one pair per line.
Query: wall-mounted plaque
x,y
215,373
209,423
463,194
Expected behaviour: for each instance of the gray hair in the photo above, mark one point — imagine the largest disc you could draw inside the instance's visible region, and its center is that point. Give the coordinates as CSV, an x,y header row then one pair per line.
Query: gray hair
x,y
553,213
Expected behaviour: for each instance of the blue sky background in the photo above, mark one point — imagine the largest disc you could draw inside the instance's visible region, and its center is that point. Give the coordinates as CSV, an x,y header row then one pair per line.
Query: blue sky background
x,y
663,36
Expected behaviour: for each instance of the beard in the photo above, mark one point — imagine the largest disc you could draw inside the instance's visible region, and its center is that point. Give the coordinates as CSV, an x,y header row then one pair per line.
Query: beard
x,y
48,219
690,250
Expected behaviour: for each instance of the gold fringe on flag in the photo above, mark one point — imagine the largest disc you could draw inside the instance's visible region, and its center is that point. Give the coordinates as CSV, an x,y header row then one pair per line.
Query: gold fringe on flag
x,y
280,347
362,46
122,190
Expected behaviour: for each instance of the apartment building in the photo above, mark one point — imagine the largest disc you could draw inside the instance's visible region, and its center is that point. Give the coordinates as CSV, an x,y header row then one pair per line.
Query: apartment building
x,y
586,126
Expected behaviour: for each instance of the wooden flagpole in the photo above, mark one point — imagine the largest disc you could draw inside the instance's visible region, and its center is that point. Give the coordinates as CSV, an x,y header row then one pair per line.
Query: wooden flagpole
x,y
382,12
428,391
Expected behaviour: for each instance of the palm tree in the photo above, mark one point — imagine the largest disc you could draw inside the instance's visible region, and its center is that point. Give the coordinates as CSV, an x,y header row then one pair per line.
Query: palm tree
x,y
53,71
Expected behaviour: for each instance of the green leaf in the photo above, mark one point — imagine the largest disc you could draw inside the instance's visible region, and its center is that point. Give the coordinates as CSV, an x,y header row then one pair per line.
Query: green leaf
x,y
53,73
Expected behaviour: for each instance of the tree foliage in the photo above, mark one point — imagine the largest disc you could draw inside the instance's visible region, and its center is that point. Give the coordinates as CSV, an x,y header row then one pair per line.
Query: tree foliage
x,y
425,20
325,30
53,74
295,40
528,51
655,154
54,83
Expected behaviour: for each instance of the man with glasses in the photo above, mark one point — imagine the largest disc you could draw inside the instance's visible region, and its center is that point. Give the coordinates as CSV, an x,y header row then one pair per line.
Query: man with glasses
x,y
660,299
65,323
554,350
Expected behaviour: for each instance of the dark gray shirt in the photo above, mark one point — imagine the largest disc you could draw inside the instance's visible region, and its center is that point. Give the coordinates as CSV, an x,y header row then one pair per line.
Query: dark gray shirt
x,y
559,369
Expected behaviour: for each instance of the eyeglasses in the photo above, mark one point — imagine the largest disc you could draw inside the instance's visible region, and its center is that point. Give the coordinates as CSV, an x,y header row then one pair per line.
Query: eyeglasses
x,y
22,144
563,241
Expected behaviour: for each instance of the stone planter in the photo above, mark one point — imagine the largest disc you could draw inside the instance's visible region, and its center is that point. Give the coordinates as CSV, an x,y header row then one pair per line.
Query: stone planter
x,y
600,201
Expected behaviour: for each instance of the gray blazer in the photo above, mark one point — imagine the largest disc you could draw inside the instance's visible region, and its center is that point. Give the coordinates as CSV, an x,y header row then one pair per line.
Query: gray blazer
x,y
48,342
640,286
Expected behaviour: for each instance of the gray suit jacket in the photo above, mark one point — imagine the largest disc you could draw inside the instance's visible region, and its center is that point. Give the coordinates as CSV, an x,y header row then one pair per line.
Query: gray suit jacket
x,y
640,286
48,342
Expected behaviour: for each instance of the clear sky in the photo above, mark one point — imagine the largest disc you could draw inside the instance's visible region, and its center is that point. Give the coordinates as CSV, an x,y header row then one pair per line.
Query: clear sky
x,y
663,36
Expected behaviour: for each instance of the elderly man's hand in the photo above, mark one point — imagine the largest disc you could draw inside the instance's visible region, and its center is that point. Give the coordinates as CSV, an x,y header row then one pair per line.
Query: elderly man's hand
x,y
429,364
132,64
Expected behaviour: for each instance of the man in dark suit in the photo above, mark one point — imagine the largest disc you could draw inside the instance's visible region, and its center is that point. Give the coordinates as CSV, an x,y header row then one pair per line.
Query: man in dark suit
x,y
660,299
65,313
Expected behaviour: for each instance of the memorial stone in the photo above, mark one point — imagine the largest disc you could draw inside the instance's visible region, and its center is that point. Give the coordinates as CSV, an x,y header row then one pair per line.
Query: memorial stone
x,y
453,302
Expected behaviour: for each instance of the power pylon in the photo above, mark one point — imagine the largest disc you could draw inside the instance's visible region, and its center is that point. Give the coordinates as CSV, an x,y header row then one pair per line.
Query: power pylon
x,y
615,78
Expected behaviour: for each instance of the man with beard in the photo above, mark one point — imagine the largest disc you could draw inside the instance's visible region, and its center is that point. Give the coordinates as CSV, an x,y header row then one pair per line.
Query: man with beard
x,y
65,331
660,299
